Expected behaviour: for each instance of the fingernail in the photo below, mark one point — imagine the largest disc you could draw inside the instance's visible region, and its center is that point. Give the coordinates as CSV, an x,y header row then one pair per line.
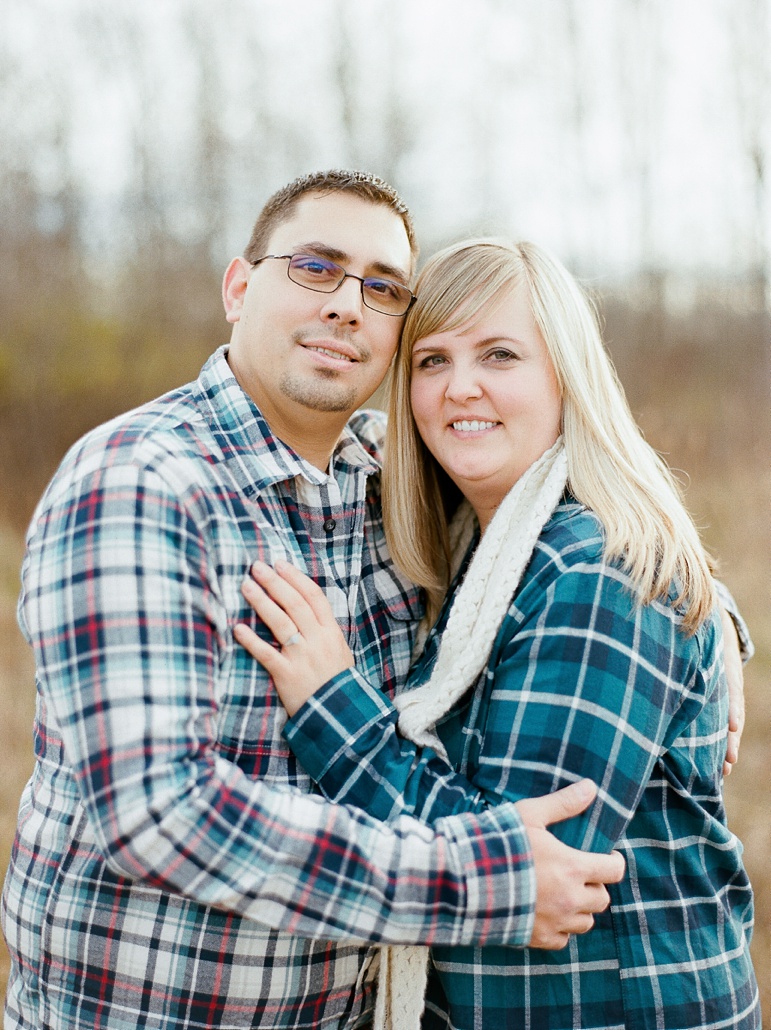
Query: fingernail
x,y
587,788
258,568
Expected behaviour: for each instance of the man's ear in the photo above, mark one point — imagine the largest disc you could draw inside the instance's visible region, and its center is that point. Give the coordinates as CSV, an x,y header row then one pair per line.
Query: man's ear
x,y
234,286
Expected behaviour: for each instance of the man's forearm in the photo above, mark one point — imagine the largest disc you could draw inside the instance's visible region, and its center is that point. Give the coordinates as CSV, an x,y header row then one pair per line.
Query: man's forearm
x,y
129,627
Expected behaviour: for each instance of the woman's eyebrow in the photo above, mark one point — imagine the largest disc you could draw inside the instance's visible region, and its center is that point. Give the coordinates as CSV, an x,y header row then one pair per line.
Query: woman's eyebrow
x,y
478,345
421,346
499,338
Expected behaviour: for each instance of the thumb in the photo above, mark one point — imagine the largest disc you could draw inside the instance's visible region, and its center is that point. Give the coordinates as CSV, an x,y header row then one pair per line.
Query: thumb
x,y
562,804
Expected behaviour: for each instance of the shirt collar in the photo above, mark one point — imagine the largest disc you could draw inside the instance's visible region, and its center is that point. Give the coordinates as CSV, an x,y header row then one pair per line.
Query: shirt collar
x,y
246,438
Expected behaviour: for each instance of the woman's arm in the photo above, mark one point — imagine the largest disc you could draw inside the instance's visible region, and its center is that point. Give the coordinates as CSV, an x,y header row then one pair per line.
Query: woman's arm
x,y
568,891
557,665
342,729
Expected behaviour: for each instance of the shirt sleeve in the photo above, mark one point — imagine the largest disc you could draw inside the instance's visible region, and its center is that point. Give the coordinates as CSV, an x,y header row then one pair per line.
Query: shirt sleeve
x,y
726,598
347,739
581,682
122,610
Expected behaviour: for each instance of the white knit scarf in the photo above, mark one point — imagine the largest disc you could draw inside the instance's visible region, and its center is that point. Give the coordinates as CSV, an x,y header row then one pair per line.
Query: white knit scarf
x,y
478,609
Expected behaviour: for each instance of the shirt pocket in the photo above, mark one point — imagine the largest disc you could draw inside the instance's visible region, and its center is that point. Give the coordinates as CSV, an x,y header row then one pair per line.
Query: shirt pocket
x,y
250,716
251,719
388,620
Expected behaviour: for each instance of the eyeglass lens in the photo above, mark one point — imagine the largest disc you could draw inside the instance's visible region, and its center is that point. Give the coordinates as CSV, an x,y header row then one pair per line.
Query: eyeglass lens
x,y
316,273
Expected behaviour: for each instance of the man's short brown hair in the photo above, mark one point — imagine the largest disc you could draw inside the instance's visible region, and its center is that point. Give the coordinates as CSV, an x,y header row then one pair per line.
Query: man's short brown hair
x,y
369,187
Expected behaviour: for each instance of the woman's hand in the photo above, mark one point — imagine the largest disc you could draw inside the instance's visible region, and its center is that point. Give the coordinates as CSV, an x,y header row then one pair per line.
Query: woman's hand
x,y
312,647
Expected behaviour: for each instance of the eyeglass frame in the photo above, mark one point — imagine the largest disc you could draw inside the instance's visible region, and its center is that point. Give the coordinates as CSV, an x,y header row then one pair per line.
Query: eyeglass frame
x,y
345,275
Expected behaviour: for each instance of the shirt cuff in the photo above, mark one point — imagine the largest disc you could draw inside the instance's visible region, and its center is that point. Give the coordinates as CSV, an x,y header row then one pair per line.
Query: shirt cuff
x,y
343,708
499,874
724,595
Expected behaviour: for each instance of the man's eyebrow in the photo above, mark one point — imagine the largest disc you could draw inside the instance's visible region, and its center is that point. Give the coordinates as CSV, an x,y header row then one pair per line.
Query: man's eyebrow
x,y
391,272
339,257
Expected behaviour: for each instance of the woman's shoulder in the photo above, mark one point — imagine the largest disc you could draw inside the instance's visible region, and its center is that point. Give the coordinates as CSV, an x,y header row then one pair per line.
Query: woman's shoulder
x,y
569,565
569,553
573,533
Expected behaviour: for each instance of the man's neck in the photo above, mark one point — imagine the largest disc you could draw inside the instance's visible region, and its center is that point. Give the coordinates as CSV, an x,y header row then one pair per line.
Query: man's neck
x,y
313,441
312,434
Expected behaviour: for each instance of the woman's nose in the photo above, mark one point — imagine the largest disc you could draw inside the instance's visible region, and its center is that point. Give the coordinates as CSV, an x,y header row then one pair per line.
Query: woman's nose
x,y
463,384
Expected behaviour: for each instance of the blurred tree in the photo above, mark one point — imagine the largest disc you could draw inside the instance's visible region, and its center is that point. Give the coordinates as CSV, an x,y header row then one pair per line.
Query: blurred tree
x,y
208,178
378,128
578,99
641,75
750,33
42,287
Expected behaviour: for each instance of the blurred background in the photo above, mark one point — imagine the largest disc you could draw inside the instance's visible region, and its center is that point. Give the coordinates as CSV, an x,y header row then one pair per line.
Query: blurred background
x,y
633,137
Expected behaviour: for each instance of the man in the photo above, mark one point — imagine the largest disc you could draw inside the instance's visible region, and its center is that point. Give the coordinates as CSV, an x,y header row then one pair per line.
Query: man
x,y
172,866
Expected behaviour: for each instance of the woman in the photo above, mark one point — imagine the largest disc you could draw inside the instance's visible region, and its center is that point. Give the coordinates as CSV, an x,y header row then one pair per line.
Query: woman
x,y
579,638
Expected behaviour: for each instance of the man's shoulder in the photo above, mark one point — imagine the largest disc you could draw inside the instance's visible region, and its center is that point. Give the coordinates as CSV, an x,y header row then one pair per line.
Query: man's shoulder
x,y
368,425
171,421
169,431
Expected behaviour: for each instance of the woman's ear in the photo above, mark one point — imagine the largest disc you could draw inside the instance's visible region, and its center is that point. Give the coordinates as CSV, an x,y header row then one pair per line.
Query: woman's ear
x,y
234,284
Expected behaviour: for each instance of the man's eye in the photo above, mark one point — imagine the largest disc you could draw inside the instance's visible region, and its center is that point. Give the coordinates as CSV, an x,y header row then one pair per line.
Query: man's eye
x,y
383,287
314,266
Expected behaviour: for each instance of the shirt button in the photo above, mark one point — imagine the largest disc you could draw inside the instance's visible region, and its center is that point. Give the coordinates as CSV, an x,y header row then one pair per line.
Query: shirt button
x,y
329,525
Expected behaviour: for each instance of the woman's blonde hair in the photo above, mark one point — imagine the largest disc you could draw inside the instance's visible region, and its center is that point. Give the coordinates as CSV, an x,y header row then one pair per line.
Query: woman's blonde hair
x,y
611,469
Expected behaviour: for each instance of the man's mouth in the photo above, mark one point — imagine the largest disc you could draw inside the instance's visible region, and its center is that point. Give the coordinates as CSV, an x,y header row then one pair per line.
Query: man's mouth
x,y
330,353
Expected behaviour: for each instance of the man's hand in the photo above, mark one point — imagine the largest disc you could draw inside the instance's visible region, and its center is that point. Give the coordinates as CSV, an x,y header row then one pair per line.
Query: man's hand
x,y
569,883
735,676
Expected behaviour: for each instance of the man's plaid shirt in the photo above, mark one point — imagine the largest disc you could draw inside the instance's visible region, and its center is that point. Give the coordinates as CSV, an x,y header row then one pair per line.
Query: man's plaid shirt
x,y
580,682
173,866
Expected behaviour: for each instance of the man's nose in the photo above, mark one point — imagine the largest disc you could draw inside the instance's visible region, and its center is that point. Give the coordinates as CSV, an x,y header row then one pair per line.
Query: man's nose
x,y
345,304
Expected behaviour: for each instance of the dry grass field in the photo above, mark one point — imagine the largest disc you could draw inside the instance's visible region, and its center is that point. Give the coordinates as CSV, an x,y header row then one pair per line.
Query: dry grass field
x,y
707,410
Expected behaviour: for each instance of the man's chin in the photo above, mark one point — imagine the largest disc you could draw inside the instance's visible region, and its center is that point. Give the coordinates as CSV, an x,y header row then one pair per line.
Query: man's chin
x,y
324,395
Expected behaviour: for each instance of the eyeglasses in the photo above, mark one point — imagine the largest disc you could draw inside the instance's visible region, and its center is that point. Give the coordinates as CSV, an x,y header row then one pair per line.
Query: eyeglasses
x,y
322,276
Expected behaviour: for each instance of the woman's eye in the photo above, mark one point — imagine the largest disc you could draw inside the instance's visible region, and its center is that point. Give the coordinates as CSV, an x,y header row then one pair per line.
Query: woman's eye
x,y
501,354
431,361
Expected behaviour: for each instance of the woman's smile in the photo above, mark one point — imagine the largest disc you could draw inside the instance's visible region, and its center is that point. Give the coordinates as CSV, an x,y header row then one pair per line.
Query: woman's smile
x,y
473,425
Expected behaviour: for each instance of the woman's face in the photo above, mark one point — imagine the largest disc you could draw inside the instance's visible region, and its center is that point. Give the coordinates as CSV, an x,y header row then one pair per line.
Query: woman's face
x,y
486,401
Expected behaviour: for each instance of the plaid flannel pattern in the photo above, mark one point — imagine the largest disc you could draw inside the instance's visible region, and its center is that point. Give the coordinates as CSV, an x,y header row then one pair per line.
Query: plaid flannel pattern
x,y
173,865
580,682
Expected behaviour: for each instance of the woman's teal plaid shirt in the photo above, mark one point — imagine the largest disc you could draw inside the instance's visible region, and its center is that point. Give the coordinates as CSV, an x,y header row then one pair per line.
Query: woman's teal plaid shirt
x,y
580,682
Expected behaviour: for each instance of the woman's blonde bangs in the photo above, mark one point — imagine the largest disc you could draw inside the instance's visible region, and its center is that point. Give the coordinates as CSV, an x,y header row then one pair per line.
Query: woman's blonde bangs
x,y
459,285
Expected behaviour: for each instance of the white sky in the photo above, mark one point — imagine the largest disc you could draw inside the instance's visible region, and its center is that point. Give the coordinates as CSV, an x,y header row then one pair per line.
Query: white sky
x,y
656,168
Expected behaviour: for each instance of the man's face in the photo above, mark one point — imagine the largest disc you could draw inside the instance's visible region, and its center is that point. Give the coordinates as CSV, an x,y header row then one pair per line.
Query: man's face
x,y
301,354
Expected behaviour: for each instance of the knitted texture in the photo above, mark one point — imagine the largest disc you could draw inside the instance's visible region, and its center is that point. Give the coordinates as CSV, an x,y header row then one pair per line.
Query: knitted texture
x,y
478,609
401,988
484,596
